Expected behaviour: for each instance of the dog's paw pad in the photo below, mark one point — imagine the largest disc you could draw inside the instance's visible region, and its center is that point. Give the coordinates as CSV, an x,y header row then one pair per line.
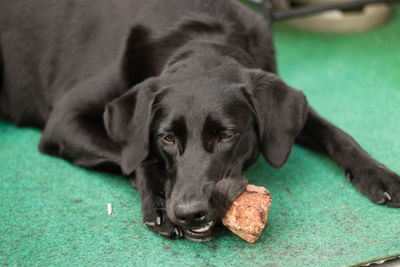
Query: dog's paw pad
x,y
163,226
155,217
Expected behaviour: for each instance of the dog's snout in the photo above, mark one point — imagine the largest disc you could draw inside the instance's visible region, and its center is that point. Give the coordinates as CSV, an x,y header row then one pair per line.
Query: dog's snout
x,y
191,213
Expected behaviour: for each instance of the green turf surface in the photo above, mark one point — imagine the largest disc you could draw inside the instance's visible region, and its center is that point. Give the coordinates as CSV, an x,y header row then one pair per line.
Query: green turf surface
x,y
53,213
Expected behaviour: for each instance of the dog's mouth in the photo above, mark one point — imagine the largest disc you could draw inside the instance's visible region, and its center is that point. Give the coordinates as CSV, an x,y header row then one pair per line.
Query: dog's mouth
x,y
201,233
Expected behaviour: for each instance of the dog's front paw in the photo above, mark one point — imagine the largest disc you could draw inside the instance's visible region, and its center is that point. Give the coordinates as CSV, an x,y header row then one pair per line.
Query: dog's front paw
x,y
155,217
380,184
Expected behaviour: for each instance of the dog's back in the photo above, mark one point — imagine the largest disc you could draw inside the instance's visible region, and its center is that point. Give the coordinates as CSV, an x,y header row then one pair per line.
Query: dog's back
x,y
48,47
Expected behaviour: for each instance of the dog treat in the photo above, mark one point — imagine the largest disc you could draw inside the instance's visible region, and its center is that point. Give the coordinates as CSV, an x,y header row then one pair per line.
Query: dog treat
x,y
249,213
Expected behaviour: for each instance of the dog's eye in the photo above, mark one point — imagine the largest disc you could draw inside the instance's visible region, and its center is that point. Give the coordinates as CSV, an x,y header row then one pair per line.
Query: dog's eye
x,y
225,135
169,138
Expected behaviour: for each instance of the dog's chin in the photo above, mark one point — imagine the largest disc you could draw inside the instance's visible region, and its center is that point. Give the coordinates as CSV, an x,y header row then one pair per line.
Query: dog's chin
x,y
202,233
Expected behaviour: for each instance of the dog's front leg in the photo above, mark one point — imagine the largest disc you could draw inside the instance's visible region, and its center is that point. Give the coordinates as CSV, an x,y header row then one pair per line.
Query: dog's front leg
x,y
75,129
372,178
150,183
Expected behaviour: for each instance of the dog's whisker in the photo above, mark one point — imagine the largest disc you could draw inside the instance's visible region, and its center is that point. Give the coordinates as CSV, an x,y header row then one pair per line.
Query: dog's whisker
x,y
231,168
238,161
232,164
223,170
220,174
228,168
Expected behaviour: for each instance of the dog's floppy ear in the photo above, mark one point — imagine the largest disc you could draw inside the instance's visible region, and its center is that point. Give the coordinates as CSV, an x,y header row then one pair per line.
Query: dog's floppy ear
x,y
280,112
127,121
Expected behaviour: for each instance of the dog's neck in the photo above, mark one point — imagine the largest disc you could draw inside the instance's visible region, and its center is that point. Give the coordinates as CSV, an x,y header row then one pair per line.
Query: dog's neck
x,y
223,49
209,41
207,54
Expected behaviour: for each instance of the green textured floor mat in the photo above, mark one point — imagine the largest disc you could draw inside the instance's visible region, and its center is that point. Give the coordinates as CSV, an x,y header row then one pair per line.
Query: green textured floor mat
x,y
53,213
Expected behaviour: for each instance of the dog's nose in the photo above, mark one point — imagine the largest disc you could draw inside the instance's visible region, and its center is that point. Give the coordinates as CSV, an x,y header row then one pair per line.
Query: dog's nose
x,y
191,213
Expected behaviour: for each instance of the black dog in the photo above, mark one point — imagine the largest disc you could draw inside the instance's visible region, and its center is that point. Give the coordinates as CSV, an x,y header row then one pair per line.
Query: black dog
x,y
181,95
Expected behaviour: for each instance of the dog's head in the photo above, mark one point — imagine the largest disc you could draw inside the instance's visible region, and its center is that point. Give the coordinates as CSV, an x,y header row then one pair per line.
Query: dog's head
x,y
205,126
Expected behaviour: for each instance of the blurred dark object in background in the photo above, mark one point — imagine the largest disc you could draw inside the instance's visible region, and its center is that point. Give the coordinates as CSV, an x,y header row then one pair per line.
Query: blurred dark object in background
x,y
335,16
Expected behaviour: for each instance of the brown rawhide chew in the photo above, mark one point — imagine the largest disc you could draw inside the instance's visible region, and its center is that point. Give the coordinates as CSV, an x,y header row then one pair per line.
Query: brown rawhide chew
x,y
249,213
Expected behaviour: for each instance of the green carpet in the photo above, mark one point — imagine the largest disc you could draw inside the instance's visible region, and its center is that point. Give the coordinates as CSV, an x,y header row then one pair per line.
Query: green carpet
x,y
53,213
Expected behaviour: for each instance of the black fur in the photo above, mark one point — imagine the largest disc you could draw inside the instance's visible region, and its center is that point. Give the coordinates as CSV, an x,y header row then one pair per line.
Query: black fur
x,y
182,96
